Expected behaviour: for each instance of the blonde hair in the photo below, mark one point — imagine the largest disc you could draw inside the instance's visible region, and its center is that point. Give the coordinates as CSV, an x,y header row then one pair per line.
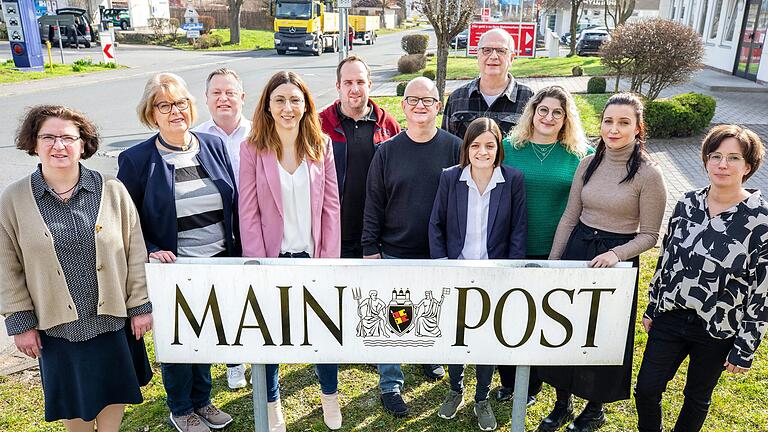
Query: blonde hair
x,y
571,135
168,84
263,137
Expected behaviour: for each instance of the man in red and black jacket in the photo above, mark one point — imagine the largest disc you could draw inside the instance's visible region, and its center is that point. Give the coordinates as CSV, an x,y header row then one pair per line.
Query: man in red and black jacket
x,y
356,126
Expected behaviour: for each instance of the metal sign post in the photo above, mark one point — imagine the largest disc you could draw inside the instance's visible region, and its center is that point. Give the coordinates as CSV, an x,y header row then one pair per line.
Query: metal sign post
x,y
259,379
344,41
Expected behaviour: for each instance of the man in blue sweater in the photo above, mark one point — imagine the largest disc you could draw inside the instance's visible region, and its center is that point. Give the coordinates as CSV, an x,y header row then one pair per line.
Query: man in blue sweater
x,y
401,187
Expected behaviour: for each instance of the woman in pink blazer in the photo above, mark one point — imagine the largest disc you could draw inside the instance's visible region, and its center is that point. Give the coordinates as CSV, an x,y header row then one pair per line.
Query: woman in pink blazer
x,y
289,203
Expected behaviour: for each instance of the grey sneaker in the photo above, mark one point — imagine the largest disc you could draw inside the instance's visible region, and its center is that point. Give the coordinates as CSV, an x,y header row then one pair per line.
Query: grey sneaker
x,y
213,417
189,423
485,418
452,404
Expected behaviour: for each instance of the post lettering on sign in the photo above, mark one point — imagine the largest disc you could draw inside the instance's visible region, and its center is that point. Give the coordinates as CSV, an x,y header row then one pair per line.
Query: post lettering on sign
x,y
416,311
524,35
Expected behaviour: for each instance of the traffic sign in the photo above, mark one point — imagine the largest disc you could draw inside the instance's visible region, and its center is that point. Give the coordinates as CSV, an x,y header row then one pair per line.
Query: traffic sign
x,y
192,26
344,3
107,47
485,14
525,32
193,34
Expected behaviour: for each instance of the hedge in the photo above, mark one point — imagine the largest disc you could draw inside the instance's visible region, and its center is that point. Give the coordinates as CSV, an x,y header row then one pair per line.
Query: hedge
x,y
679,116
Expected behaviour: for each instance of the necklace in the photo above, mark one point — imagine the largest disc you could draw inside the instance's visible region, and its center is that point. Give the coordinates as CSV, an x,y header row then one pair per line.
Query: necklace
x,y
542,151
60,194
165,144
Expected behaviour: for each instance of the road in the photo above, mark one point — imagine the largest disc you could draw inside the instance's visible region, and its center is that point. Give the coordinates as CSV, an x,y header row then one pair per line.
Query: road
x,y
110,98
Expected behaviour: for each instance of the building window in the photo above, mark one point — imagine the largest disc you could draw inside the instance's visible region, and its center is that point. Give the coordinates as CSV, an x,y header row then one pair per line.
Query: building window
x,y
692,13
551,21
703,17
734,6
714,24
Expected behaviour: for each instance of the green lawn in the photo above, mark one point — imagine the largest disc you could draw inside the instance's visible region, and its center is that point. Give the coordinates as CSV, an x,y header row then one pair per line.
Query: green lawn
x,y
590,107
466,67
249,40
740,403
8,73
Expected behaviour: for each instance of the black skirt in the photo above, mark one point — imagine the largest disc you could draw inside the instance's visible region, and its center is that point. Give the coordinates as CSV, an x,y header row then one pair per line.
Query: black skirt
x,y
596,383
82,378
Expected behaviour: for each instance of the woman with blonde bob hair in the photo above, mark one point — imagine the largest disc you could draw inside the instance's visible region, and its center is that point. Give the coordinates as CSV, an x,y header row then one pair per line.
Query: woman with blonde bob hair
x,y
289,203
184,189
546,145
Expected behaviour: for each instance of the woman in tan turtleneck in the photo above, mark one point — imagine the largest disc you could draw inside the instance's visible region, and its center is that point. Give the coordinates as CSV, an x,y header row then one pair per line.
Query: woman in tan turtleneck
x,y
614,214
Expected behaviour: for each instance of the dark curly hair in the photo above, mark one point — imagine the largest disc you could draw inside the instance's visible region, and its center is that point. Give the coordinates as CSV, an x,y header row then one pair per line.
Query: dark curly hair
x,y
26,135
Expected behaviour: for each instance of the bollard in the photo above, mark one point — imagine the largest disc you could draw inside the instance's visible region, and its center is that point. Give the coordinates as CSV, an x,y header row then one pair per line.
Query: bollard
x,y
50,57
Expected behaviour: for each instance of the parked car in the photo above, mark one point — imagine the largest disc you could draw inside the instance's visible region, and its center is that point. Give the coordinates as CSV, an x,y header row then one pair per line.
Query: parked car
x,y
119,18
591,40
83,31
565,39
460,40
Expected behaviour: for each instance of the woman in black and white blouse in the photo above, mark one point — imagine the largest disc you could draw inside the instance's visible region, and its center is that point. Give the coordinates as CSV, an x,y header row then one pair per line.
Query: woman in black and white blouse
x,y
708,295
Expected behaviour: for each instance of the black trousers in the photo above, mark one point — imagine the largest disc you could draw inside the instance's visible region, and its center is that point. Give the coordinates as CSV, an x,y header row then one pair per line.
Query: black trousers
x,y
674,336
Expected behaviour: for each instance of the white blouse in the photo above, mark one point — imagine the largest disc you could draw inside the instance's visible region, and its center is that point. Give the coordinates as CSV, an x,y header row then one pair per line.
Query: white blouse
x,y
297,213
476,238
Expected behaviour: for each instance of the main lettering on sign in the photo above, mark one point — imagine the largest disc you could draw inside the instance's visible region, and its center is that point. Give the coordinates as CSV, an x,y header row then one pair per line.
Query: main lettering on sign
x,y
355,311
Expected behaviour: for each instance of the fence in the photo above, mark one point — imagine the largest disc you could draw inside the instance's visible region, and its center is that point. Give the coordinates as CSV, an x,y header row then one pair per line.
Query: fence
x,y
252,20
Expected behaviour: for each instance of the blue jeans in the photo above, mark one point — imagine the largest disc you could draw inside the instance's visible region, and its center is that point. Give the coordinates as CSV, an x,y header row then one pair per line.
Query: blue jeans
x,y
327,374
483,373
188,386
391,377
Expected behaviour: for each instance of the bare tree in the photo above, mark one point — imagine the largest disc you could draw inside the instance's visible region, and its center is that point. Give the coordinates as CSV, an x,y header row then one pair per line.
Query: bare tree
x,y
234,21
618,12
448,18
575,12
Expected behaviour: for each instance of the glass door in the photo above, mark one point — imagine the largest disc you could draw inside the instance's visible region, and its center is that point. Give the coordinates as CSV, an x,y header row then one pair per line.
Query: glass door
x,y
752,39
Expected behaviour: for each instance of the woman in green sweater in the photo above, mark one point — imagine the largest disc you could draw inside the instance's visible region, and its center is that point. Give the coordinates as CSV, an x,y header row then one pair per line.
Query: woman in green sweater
x,y
546,145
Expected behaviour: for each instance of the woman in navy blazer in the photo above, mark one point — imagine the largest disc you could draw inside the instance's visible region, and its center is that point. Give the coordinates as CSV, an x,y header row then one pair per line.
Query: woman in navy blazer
x,y
479,213
184,189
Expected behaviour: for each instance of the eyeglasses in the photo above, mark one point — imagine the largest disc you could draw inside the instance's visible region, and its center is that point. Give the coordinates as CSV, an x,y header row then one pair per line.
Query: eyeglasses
x,y
500,51
166,107
50,140
730,158
281,101
426,101
544,111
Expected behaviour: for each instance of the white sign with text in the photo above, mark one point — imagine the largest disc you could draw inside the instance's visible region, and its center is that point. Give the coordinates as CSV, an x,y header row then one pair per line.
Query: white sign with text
x,y
237,310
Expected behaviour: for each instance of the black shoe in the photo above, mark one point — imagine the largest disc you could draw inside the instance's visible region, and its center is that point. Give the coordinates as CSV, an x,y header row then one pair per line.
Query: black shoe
x,y
561,414
433,372
591,419
504,394
394,404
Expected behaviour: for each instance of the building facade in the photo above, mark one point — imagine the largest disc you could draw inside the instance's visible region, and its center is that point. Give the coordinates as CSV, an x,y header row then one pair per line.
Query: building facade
x,y
733,32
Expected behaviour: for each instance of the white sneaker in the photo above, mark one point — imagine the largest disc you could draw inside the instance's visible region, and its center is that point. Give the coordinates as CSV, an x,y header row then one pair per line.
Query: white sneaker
x,y
236,377
275,416
331,410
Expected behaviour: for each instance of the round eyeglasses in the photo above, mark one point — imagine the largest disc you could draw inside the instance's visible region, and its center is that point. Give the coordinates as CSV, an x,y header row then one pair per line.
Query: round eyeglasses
x,y
166,107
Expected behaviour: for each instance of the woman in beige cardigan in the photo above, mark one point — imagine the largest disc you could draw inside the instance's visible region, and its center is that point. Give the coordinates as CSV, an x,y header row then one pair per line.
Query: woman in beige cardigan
x,y
72,275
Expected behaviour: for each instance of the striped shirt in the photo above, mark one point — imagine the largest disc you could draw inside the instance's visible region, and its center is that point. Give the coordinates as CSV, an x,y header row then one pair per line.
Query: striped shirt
x,y
199,207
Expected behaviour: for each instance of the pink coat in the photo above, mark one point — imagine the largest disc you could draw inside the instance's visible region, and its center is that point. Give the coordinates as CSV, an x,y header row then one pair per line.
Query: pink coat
x,y
261,207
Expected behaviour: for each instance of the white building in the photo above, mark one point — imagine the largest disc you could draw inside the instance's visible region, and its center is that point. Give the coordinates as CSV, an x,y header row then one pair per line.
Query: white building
x,y
558,17
733,32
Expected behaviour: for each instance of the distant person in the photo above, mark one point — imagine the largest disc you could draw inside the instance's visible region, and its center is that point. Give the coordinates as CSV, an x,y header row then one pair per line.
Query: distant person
x,y
401,187
289,204
546,146
708,296
224,97
72,285
479,213
184,188
614,214
357,126
494,94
